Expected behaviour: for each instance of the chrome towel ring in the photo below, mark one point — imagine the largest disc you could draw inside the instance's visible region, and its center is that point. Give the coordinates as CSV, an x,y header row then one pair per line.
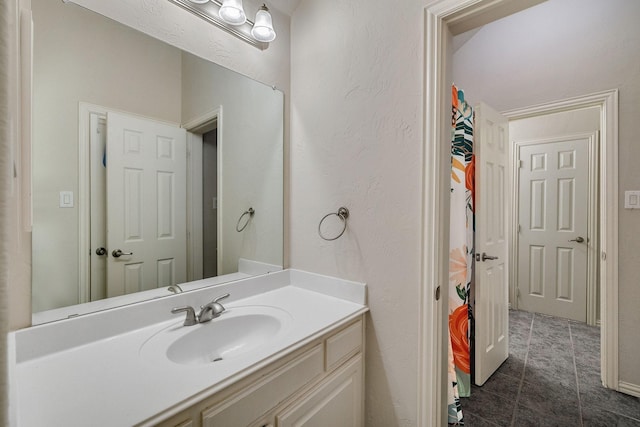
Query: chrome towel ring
x,y
343,214
249,212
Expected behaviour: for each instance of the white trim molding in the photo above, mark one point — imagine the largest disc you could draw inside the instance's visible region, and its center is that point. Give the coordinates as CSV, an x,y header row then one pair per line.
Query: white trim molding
x,y
628,388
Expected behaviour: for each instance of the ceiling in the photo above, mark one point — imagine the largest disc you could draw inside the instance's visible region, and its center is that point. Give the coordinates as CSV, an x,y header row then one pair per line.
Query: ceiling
x,y
285,6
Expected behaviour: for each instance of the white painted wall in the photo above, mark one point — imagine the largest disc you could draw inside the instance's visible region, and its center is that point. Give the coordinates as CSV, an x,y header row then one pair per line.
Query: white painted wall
x,y
81,56
356,138
251,150
560,49
551,125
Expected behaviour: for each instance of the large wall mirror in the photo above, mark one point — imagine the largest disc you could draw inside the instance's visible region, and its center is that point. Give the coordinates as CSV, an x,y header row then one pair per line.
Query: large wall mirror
x,y
151,167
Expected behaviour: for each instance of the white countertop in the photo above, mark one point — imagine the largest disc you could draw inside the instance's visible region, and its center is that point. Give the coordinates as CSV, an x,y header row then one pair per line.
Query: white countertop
x,y
89,370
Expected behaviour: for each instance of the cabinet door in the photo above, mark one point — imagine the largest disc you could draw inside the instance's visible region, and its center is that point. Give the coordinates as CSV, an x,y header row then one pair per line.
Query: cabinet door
x,y
336,402
254,402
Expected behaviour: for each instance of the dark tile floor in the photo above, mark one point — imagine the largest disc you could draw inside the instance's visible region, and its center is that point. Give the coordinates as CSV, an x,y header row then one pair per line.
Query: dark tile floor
x,y
551,378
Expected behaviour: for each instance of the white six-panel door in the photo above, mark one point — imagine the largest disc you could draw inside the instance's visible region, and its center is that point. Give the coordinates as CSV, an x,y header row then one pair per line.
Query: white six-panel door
x,y
491,290
553,209
146,204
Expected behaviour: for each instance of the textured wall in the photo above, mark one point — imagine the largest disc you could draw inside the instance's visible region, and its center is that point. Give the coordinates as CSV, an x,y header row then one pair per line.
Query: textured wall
x,y
356,135
555,51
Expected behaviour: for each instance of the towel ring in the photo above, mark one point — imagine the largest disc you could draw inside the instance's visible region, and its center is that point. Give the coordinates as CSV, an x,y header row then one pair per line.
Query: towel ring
x,y
343,214
249,212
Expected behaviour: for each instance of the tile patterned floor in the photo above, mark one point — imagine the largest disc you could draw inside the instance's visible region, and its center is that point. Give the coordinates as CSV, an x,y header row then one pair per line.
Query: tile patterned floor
x,y
551,378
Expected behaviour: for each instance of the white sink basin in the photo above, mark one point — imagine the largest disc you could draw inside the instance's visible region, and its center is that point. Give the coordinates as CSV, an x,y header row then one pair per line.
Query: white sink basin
x,y
236,332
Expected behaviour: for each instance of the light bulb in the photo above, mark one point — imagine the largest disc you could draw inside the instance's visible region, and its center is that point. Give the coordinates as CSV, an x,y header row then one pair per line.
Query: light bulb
x,y
199,1
232,13
263,27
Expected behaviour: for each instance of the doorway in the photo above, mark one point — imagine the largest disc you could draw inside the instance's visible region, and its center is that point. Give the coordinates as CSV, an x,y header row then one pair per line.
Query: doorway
x,y
204,166
442,19
210,203
555,227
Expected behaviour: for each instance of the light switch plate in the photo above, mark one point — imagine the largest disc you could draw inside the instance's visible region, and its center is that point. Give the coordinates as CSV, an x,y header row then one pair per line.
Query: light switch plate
x,y
632,199
66,199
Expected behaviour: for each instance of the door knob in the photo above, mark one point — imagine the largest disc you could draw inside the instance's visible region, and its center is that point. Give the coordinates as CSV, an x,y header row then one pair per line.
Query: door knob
x,y
118,253
484,257
101,251
577,239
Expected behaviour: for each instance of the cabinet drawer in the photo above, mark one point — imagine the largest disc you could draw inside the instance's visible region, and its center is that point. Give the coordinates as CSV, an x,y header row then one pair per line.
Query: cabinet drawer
x,y
344,344
267,392
337,401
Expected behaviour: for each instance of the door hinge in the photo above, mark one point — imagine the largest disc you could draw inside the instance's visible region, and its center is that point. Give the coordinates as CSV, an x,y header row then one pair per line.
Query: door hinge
x,y
438,293
518,292
519,228
520,164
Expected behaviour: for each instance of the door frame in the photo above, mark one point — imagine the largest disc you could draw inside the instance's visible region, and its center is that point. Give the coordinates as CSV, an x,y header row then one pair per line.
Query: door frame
x,y
442,18
607,190
592,215
195,129
84,196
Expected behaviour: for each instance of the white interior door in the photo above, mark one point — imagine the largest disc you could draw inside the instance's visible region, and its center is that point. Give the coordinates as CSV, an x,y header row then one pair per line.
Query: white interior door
x,y
553,238
491,267
146,204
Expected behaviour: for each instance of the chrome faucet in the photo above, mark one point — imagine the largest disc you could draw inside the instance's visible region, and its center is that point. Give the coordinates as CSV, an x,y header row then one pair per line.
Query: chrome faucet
x,y
176,289
211,310
207,312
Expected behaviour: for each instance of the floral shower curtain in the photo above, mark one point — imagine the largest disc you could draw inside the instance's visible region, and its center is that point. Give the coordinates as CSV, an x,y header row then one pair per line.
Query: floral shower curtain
x,y
461,253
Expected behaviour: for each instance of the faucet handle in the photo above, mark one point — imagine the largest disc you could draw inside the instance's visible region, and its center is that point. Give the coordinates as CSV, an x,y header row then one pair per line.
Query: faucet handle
x,y
220,298
216,307
212,310
190,320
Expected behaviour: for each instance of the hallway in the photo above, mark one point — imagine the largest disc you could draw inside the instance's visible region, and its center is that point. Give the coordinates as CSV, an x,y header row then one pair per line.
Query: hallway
x,y
551,378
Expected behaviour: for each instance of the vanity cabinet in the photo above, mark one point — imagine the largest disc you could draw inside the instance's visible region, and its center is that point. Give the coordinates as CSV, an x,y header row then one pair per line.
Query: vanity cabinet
x,y
320,384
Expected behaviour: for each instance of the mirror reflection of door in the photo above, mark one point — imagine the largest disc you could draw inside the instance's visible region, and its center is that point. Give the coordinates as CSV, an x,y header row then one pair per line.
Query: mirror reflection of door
x,y
210,203
137,168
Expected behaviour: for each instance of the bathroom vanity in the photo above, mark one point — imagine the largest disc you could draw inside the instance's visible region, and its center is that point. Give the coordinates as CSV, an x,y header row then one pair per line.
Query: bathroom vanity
x,y
288,347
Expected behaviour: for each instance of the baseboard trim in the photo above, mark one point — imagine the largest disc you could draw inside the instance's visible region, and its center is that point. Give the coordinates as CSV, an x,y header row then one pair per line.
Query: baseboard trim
x,y
628,388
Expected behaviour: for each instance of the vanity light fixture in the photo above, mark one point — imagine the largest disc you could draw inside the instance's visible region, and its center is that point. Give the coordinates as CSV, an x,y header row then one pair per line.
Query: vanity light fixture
x,y
263,27
232,12
229,15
